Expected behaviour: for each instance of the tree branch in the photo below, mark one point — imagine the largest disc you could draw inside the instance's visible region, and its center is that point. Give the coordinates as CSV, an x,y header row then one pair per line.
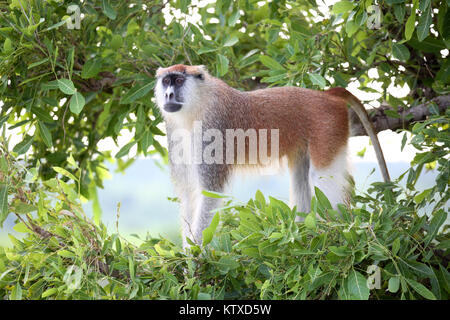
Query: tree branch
x,y
382,122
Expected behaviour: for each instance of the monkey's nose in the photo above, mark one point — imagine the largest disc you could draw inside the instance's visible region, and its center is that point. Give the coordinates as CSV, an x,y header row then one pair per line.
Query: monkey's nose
x,y
169,96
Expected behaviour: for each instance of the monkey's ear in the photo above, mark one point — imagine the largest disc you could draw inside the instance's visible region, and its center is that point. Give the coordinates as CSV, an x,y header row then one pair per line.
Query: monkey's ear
x,y
202,72
203,68
160,71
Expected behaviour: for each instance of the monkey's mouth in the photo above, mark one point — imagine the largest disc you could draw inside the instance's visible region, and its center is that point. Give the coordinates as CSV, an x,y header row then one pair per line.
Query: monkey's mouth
x,y
172,107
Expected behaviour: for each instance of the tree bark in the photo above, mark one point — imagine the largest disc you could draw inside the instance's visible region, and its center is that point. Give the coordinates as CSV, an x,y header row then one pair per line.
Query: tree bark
x,y
407,116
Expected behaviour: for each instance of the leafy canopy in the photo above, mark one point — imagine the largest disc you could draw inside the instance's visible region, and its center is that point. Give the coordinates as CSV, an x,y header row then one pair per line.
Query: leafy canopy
x,y
67,88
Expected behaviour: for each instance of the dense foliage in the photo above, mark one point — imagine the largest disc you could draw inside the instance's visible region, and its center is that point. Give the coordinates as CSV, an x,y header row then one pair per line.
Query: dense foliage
x,y
67,89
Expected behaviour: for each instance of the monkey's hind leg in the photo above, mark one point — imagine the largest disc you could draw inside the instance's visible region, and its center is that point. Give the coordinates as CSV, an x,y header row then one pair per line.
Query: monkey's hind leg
x,y
333,180
300,187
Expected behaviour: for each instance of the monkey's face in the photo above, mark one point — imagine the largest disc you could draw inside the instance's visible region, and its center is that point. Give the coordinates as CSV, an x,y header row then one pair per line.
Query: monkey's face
x,y
177,89
172,88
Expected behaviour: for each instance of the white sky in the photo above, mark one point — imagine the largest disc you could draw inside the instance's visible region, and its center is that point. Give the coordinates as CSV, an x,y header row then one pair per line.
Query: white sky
x,y
389,140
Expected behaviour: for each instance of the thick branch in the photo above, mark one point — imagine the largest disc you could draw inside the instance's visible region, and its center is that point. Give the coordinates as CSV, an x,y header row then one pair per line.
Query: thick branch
x,y
382,122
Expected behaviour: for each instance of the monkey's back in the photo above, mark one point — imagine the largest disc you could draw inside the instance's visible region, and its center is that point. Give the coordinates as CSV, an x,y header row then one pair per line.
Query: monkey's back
x,y
306,119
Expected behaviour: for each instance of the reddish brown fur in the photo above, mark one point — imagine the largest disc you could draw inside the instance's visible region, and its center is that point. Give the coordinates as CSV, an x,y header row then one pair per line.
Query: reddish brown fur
x,y
311,119
194,70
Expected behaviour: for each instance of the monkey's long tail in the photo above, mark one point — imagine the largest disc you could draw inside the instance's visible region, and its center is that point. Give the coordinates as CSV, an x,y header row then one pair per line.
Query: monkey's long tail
x,y
359,109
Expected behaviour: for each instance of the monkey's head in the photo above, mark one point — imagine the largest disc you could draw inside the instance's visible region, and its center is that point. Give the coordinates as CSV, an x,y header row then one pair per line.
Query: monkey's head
x,y
178,87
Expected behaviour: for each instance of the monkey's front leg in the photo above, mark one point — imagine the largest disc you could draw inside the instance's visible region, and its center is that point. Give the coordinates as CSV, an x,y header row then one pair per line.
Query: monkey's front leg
x,y
183,181
212,177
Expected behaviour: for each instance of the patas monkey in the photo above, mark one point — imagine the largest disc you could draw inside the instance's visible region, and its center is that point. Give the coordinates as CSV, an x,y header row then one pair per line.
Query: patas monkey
x,y
312,126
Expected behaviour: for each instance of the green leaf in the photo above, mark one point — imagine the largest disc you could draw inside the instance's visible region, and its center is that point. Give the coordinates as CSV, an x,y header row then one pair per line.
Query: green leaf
x,y
7,46
65,173
138,91
399,12
357,286
45,134
203,296
317,79
66,86
16,292
71,161
222,65
420,197
430,44
394,1
423,27
35,64
274,78
108,10
400,51
42,114
243,60
23,208
436,222
234,17
23,146
77,103
445,24
351,27
125,149
342,7
322,198
270,63
225,264
146,140
212,194
260,198
421,289
117,42
361,153
341,251
395,246
91,68
310,221
410,23
394,284
140,120
404,140
209,231
3,203
206,50
49,292
21,227
50,85
66,254
314,273
424,5
56,25
231,41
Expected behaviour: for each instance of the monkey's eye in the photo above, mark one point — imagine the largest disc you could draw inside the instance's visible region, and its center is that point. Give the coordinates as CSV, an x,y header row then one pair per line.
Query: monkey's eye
x,y
166,81
179,81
